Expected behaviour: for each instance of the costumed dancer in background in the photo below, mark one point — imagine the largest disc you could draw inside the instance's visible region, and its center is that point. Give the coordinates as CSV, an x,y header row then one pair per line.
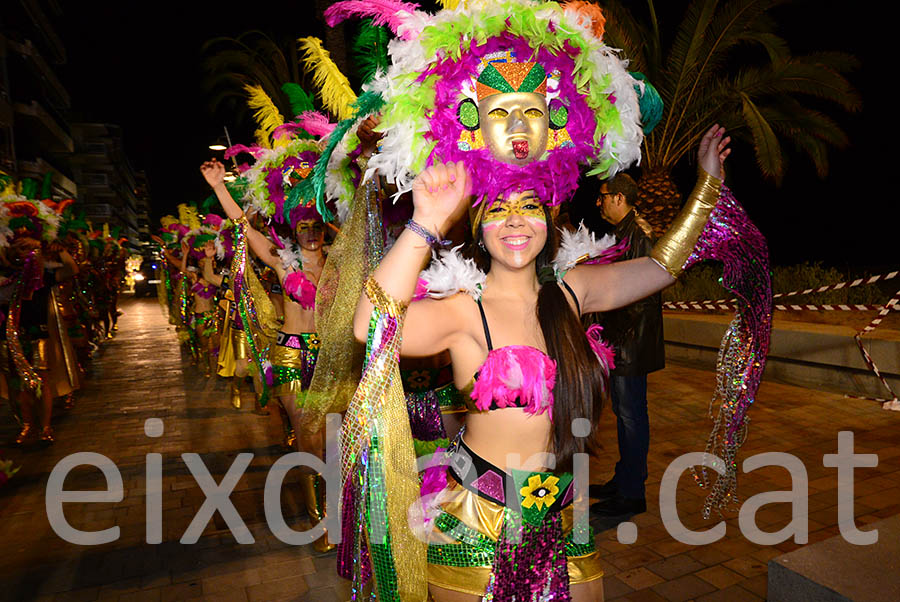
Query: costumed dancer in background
x,y
40,359
169,241
513,96
115,255
285,155
234,354
76,298
291,360
199,244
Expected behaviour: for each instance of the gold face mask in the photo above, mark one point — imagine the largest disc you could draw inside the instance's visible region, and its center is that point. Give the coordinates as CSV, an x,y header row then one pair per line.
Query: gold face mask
x,y
525,205
514,126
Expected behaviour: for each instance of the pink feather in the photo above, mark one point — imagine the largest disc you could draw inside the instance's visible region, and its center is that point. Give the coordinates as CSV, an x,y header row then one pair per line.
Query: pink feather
x,y
610,254
213,220
237,149
383,12
300,289
605,354
315,123
516,376
421,290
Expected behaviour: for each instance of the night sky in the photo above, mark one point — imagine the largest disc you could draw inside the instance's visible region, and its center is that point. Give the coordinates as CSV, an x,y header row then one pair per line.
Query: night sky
x,y
138,65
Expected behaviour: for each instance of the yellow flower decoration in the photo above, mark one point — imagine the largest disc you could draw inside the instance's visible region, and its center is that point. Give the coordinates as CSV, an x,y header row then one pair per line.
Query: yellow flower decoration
x,y
419,379
539,493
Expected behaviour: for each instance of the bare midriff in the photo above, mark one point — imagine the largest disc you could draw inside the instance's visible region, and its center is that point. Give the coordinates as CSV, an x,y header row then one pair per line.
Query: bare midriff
x,y
297,319
201,304
499,435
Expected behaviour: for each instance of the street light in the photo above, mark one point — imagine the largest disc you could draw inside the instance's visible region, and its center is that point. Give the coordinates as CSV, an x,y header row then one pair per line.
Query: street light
x,y
217,147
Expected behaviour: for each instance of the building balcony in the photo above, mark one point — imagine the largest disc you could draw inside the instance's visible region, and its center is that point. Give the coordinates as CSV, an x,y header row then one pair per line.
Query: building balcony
x,y
42,71
43,128
45,29
98,210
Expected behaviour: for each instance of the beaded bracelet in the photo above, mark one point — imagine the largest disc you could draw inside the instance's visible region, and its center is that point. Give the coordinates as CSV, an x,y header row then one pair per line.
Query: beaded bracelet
x,y
432,240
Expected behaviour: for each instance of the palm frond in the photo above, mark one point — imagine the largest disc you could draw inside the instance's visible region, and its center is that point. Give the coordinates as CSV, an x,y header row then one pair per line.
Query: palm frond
x,y
765,142
805,75
625,32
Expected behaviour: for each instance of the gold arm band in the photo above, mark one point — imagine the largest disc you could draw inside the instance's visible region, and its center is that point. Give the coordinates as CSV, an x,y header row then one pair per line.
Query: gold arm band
x,y
382,301
674,247
241,220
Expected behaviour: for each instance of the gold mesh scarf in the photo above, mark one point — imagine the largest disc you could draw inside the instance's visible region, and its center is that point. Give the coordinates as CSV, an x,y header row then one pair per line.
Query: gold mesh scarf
x,y
252,304
377,421
339,364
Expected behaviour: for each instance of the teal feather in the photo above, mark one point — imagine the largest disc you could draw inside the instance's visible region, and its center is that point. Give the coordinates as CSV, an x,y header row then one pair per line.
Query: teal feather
x,y
313,187
650,103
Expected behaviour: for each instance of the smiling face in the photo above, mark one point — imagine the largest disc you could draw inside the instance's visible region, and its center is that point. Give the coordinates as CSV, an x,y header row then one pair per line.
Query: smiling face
x,y
310,234
515,125
515,230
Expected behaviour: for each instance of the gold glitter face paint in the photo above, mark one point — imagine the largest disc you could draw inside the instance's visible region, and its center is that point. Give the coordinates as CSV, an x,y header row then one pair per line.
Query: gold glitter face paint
x,y
515,125
515,230
525,205
310,234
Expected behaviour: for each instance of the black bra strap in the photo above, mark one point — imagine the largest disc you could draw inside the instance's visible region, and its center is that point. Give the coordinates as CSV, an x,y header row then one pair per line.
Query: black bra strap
x,y
574,298
487,333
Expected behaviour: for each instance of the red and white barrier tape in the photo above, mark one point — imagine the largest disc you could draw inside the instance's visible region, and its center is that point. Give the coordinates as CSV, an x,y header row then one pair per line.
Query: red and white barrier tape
x,y
888,404
717,305
840,285
810,291
893,403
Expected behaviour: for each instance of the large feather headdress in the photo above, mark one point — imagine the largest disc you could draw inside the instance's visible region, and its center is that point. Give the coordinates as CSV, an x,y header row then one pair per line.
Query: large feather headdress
x,y
437,64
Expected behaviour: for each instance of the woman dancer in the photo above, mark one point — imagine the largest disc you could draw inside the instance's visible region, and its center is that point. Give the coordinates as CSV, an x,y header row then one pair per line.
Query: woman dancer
x,y
524,327
293,356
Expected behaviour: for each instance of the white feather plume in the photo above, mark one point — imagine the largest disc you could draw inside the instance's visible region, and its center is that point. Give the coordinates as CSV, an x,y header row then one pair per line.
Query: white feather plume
x,y
449,274
290,256
577,245
220,248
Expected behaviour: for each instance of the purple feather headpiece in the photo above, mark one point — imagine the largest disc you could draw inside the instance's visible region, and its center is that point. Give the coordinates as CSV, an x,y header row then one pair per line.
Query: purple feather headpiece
x,y
554,178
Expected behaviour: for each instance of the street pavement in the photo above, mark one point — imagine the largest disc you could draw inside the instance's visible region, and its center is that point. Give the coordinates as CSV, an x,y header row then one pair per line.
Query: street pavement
x,y
142,374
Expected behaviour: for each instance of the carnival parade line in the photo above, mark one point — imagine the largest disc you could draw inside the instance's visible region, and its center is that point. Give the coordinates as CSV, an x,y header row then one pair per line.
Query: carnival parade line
x,y
141,374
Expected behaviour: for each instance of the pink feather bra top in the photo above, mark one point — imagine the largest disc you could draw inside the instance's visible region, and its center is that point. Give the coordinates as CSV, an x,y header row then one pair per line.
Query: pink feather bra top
x,y
521,376
515,376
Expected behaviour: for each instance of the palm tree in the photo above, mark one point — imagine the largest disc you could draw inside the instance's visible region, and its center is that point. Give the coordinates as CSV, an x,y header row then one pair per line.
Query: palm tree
x,y
253,58
727,64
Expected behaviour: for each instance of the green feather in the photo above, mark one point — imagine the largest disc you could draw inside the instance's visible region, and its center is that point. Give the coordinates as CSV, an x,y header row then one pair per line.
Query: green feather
x,y
650,102
29,188
47,186
313,187
370,50
299,99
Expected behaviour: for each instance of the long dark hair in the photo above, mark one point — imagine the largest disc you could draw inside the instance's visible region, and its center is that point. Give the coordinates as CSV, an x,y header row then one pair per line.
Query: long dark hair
x,y
579,389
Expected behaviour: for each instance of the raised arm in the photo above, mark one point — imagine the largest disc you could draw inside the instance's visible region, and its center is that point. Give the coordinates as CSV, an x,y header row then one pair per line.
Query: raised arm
x,y
206,266
606,287
440,195
185,251
214,173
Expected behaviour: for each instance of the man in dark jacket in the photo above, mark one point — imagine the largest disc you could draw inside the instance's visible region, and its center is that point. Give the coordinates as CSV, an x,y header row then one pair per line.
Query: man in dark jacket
x,y
636,333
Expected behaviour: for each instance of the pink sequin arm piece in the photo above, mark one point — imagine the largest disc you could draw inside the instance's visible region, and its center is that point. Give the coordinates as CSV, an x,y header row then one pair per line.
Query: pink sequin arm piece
x,y
516,377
